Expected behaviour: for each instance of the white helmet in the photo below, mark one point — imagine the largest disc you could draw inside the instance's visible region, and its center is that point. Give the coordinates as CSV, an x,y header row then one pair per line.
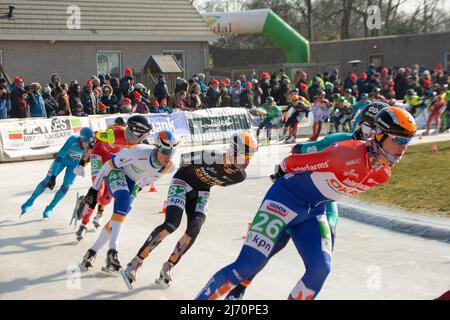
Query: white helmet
x,y
166,142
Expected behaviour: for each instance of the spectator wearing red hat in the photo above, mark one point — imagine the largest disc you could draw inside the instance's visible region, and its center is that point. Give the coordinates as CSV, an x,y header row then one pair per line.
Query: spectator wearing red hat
x,y
20,99
303,91
225,97
88,98
102,108
125,105
247,95
128,71
155,107
213,95
126,83
138,105
264,83
164,107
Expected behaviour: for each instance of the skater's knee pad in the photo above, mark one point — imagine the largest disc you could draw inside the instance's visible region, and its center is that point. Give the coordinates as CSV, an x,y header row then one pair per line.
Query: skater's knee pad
x,y
122,202
195,226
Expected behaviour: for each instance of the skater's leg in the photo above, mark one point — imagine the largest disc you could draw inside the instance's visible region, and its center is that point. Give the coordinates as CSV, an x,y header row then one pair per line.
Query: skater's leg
x,y
239,290
69,178
176,202
40,188
196,215
313,241
103,238
257,249
250,261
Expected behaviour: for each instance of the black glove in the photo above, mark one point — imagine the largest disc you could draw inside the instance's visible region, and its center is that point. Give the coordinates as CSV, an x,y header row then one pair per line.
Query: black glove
x,y
278,173
51,183
91,198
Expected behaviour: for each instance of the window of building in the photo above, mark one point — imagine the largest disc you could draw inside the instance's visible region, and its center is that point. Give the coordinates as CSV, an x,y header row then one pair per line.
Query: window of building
x,y
179,56
376,59
1,57
109,62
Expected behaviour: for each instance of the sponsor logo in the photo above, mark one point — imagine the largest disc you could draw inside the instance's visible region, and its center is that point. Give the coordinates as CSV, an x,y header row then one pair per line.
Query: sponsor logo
x,y
353,162
314,167
276,208
351,173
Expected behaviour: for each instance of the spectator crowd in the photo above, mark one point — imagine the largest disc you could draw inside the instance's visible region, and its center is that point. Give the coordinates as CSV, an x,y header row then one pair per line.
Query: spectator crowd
x,y
329,96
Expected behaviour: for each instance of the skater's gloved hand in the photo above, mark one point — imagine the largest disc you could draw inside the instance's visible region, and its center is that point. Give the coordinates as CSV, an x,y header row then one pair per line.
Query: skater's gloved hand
x,y
51,183
91,198
278,173
79,171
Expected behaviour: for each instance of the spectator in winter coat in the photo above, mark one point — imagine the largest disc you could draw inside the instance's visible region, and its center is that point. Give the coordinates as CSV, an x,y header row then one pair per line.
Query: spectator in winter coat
x,y
161,91
37,108
5,104
225,98
76,105
109,99
235,94
401,84
372,84
139,106
114,82
55,85
201,83
257,93
19,107
126,83
88,99
51,105
193,101
155,107
246,98
265,86
125,106
63,103
181,101
213,95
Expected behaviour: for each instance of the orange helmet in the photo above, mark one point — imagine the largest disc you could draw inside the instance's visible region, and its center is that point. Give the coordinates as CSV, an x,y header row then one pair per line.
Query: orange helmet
x,y
395,121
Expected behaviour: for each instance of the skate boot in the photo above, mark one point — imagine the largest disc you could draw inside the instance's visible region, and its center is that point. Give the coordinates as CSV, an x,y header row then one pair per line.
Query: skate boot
x,y
97,220
112,262
80,232
26,207
165,276
237,293
88,260
129,274
47,212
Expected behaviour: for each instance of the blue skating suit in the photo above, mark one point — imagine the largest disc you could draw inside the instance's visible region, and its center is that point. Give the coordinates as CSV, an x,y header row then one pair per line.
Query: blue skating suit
x,y
67,158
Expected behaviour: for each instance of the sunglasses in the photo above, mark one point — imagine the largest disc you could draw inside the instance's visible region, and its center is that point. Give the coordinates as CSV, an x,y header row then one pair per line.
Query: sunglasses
x,y
401,140
166,152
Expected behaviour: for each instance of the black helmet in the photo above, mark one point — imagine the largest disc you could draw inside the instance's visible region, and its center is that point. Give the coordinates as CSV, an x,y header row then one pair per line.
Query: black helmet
x,y
410,92
119,121
139,126
369,112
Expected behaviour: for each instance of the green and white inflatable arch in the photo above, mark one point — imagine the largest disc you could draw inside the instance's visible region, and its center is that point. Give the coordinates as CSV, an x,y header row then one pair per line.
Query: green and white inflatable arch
x,y
263,21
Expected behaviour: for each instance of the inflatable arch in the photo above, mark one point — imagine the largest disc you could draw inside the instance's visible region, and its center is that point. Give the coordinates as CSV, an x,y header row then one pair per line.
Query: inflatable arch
x,y
263,21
